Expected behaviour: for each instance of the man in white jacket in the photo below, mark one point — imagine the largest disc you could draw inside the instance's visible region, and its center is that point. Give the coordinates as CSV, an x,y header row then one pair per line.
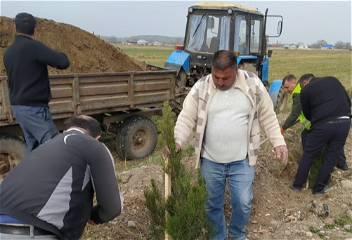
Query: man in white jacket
x,y
226,107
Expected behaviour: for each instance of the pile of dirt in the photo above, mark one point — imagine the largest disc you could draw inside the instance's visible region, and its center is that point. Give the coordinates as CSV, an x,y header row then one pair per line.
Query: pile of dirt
x,y
87,53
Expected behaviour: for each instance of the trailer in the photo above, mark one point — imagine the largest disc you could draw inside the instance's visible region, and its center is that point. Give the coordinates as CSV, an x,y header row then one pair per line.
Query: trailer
x,y
122,102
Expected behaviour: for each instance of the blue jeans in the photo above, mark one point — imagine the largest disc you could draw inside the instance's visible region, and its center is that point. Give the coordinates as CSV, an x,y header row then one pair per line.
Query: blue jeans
x,y
36,123
240,177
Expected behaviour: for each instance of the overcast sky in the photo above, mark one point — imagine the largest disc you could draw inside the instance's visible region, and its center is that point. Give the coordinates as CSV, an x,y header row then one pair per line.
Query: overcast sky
x,y
304,21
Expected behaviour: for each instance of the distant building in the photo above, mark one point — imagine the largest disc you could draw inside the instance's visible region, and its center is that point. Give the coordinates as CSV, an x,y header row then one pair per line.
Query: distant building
x,y
142,42
131,43
156,43
287,46
304,46
274,45
327,46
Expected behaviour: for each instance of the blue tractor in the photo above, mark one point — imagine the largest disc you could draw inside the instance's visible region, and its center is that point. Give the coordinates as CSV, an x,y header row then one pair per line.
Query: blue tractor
x,y
213,26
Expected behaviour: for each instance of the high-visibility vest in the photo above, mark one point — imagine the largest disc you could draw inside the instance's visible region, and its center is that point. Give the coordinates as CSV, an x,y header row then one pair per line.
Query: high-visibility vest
x,y
301,117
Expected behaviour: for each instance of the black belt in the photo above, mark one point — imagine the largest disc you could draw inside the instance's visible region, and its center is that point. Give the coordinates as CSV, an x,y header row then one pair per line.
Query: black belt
x,y
339,120
23,230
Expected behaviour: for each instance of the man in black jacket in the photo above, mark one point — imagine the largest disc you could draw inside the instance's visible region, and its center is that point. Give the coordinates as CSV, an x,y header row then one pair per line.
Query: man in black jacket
x,y
52,188
326,104
293,87
26,61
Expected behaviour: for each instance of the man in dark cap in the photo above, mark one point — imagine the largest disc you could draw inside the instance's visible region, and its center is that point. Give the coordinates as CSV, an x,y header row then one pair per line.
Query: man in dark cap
x,y
26,61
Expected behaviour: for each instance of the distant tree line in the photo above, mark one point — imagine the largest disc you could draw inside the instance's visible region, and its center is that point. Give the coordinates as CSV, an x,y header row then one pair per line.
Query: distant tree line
x,y
150,38
337,45
178,40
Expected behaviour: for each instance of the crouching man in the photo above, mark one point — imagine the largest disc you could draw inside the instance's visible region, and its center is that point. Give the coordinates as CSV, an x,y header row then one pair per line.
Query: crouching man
x,y
49,194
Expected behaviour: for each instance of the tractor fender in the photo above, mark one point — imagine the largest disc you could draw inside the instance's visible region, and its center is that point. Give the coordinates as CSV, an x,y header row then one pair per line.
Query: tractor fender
x,y
265,69
178,60
274,90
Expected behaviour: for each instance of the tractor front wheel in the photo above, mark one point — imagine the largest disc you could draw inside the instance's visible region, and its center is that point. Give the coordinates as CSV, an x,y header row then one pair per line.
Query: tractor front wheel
x,y
282,98
180,91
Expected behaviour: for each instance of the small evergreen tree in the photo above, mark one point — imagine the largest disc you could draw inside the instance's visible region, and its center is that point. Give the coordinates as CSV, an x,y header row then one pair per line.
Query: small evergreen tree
x,y
315,168
186,218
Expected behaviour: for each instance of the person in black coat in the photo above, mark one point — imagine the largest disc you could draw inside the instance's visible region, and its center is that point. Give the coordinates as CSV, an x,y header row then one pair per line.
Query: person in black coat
x,y
326,104
26,62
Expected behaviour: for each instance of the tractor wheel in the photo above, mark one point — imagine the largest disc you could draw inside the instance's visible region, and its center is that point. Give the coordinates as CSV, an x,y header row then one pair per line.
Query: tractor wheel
x,y
281,102
136,138
12,150
180,91
266,85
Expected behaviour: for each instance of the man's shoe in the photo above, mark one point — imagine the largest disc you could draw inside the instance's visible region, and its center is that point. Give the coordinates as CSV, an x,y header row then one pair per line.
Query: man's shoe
x,y
321,192
297,189
343,167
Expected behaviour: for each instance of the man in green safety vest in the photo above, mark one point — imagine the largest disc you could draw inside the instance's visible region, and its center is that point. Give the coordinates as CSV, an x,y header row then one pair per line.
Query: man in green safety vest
x,y
293,87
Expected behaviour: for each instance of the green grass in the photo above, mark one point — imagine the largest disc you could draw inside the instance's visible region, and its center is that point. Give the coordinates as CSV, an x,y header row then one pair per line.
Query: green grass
x,y
321,63
156,55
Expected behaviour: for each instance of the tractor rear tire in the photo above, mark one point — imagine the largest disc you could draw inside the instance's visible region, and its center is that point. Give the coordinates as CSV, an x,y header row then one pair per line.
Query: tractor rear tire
x,y
12,150
136,138
282,99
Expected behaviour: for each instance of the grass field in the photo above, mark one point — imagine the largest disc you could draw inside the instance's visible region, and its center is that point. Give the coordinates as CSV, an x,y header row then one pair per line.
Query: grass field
x,y
297,62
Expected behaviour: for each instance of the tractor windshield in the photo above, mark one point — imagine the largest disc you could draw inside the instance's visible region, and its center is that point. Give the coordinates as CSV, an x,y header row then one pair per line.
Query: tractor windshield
x,y
247,35
208,33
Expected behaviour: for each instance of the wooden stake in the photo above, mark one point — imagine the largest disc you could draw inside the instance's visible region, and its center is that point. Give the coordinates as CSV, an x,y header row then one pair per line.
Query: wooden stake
x,y
307,183
167,192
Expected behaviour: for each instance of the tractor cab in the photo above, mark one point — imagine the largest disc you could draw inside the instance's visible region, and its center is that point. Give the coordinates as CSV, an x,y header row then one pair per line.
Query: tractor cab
x,y
213,26
223,28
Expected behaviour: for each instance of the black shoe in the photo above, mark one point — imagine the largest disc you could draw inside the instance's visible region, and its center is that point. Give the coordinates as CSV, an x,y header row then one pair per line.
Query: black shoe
x,y
321,192
297,189
343,167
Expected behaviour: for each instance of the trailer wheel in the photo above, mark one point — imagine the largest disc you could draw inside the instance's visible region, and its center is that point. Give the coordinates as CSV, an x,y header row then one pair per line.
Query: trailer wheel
x,y
12,150
180,91
281,102
136,138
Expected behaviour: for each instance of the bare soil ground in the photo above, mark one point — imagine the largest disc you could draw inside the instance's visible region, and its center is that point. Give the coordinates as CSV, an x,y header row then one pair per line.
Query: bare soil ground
x,y
277,212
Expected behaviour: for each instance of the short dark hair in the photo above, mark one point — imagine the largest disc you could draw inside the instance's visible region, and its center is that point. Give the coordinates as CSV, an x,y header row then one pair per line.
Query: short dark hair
x,y
288,78
224,59
306,77
25,23
86,122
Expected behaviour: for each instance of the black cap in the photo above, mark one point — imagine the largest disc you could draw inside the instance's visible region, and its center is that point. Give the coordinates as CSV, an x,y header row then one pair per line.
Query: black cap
x,y
25,23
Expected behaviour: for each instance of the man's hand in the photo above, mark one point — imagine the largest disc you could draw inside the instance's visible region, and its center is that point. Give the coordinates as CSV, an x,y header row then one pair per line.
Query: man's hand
x,y
282,131
165,152
282,152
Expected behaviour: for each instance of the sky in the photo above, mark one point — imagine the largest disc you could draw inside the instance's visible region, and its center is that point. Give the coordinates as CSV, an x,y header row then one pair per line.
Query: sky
x,y
303,21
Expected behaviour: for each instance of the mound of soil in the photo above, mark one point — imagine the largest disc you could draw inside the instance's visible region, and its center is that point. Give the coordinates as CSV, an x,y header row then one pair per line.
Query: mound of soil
x,y
87,53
